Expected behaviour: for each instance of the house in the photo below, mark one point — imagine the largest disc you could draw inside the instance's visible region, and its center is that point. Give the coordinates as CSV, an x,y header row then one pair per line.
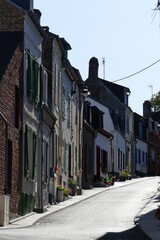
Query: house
x,y
65,86
36,134
153,140
79,93
141,145
55,58
102,145
11,124
88,148
114,98
103,140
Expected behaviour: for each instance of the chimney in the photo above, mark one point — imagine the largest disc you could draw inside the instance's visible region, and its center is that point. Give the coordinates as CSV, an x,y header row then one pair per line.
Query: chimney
x,y
37,14
93,67
146,109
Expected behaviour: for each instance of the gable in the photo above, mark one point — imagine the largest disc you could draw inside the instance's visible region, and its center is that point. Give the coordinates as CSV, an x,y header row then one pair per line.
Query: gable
x,y
8,44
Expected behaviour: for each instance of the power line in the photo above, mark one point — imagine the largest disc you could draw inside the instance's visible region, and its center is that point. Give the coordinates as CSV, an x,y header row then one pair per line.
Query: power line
x,y
120,79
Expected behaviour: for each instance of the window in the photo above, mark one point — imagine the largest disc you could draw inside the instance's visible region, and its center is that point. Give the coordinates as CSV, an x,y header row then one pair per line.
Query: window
x,y
16,108
76,115
45,161
104,160
127,124
56,84
30,153
63,101
69,111
34,80
136,159
45,87
119,160
65,147
76,160
143,155
59,88
139,155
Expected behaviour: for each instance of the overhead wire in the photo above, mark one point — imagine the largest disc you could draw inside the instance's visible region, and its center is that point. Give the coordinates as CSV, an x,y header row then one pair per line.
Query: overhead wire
x,y
120,79
117,80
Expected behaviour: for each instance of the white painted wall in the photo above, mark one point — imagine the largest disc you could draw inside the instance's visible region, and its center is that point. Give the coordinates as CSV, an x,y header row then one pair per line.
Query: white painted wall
x,y
104,144
119,139
142,165
32,41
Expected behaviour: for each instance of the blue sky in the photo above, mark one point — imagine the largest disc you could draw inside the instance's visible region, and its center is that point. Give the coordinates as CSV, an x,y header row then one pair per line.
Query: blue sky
x,y
123,32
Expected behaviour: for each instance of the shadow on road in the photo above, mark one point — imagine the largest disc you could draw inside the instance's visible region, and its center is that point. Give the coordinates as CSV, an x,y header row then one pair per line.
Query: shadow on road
x,y
135,233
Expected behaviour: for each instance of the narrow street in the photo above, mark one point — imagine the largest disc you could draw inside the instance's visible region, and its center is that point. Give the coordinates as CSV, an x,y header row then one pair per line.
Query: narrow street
x,y
108,215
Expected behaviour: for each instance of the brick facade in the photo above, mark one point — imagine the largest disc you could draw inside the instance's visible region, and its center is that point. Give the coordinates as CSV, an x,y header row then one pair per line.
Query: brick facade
x,y
11,79
2,155
11,18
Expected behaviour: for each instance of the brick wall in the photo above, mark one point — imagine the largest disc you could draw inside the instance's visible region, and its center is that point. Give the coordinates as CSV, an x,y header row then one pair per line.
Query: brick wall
x,y
2,154
13,77
11,18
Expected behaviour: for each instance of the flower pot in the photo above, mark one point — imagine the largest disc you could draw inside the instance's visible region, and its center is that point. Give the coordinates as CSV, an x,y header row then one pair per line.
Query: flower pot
x,y
60,195
74,189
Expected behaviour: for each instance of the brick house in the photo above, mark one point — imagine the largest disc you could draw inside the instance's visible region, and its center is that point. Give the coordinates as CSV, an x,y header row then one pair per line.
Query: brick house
x,y
11,74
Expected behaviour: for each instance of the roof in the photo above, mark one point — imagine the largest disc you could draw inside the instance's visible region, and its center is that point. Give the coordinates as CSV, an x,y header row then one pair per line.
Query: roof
x,y
8,44
118,90
118,121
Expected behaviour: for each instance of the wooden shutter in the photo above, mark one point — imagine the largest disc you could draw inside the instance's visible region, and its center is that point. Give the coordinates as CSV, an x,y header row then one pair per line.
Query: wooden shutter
x,y
41,85
26,164
29,77
34,154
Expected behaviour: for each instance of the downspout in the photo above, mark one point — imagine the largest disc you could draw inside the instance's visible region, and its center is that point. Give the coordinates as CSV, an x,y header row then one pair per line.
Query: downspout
x,y
6,154
80,141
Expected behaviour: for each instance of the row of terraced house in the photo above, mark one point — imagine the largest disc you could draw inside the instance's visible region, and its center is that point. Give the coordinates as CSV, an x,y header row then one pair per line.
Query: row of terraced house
x,y
54,126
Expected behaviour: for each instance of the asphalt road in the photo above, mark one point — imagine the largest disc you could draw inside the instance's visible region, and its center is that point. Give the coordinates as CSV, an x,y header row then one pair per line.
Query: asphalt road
x,y
108,215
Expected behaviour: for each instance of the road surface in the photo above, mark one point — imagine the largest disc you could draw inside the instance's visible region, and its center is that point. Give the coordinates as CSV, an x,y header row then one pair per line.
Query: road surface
x,y
108,215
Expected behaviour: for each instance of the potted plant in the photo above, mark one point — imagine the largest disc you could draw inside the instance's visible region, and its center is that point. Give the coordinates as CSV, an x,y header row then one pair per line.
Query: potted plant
x,y
66,193
112,180
123,175
73,185
60,193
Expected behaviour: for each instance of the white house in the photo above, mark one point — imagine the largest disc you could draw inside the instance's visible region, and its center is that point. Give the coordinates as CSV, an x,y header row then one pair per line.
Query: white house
x,y
32,128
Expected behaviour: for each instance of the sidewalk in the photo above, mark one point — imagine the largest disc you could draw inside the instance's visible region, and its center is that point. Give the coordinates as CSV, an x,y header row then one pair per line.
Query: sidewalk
x,y
146,218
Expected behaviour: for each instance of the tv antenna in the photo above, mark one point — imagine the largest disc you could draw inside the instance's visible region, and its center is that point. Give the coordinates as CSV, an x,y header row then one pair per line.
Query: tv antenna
x,y
151,87
103,63
156,9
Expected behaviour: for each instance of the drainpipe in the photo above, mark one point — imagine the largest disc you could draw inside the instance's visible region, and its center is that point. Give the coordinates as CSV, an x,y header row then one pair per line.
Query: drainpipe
x,y
6,154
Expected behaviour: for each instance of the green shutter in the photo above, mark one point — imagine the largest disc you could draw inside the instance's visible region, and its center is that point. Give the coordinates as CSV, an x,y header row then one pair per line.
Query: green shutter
x,y
29,78
41,85
34,78
36,83
34,154
26,163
